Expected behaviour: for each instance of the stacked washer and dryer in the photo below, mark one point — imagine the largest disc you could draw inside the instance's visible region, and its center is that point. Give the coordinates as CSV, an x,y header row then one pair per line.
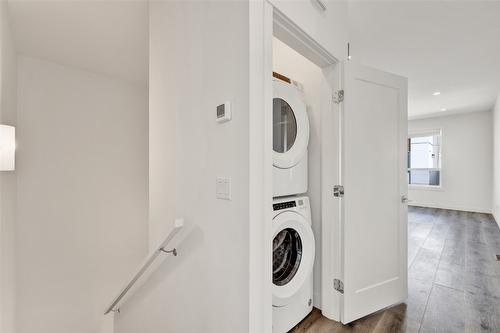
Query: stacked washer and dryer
x,y
293,239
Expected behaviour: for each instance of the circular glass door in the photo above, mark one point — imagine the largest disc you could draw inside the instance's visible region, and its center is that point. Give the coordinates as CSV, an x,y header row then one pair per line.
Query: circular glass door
x,y
287,254
284,126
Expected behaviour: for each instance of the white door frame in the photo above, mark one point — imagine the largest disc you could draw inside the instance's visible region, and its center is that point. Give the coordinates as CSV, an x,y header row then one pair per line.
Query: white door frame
x,y
260,167
266,21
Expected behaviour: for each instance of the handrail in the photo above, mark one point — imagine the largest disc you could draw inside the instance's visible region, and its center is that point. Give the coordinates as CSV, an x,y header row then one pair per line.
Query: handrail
x,y
113,307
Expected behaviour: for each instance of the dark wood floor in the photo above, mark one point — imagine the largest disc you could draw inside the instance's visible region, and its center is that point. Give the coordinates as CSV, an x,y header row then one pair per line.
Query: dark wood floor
x,y
453,279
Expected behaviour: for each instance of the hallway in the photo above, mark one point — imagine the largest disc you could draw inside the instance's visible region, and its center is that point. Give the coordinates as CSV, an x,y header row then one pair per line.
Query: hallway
x,y
453,279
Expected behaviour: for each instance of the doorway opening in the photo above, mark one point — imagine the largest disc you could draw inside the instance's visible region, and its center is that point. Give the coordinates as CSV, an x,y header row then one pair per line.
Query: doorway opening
x,y
305,79
313,73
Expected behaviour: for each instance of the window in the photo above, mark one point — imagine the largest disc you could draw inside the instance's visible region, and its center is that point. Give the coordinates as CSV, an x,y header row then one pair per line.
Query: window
x,y
424,159
284,126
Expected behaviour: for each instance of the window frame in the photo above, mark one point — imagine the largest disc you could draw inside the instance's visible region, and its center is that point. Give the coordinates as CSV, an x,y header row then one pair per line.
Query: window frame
x,y
429,132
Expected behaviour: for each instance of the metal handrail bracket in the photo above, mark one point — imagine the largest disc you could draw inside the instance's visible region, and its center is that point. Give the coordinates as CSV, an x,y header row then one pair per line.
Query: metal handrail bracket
x,y
160,250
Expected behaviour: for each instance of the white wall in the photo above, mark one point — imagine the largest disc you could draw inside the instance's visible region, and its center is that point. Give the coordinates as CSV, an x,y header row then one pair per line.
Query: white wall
x,y
288,62
8,186
496,161
467,149
82,194
199,55
162,127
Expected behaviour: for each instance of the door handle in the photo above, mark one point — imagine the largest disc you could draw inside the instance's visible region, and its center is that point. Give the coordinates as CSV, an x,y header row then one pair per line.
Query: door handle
x,y
404,199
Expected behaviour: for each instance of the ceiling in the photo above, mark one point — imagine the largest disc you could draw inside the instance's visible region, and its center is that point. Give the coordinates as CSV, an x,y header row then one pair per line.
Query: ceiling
x,y
106,37
448,46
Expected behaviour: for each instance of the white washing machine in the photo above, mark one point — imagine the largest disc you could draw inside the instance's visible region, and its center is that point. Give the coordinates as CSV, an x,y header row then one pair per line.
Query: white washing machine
x,y
290,140
293,259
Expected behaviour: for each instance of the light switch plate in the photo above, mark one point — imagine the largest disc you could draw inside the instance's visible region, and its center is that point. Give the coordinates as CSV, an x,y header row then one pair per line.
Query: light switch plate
x,y
223,188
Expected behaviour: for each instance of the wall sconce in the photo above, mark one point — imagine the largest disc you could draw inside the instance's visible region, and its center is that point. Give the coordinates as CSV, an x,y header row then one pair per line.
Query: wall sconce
x,y
7,148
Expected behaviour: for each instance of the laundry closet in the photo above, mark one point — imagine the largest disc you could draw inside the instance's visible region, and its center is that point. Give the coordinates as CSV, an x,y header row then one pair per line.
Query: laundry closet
x,y
296,126
339,215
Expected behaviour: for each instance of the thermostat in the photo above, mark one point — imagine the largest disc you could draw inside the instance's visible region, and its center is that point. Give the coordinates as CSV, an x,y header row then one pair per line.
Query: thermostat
x,y
223,112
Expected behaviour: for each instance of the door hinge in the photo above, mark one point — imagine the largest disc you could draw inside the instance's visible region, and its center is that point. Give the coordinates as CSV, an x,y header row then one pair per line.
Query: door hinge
x,y
338,191
338,285
338,96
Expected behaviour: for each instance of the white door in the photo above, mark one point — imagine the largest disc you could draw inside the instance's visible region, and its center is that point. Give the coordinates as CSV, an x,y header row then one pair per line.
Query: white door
x,y
373,173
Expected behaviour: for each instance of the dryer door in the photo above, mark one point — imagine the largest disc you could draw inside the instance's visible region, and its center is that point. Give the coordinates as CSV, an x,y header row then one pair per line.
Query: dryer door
x,y
293,255
290,126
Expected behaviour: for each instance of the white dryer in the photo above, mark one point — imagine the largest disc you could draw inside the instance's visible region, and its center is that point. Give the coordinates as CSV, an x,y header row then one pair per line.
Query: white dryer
x,y
293,259
290,140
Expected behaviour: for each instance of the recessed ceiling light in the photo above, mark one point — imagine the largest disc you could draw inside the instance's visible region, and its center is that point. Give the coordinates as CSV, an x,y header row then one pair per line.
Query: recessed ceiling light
x,y
444,109
436,93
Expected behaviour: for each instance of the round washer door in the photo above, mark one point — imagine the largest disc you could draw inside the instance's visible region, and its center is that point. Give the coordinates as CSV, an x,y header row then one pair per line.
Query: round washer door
x,y
293,255
290,126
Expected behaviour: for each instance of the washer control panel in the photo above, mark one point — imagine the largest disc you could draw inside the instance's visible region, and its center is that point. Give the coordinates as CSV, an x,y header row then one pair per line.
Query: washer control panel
x,y
284,205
